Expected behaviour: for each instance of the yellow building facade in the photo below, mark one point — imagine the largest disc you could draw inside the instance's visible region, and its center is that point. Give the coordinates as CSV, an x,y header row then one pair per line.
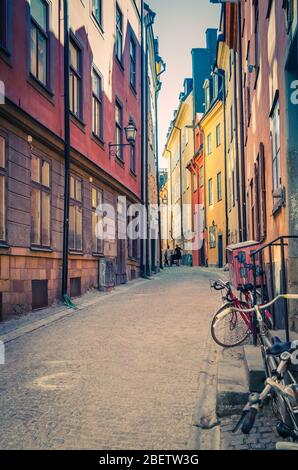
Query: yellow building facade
x,y
226,58
178,152
212,125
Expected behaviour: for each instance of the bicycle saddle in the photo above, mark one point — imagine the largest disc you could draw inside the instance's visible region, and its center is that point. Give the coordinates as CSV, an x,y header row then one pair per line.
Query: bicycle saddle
x,y
280,347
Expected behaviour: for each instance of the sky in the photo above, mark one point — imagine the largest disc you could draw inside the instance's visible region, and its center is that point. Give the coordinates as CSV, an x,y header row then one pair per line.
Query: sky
x,y
180,26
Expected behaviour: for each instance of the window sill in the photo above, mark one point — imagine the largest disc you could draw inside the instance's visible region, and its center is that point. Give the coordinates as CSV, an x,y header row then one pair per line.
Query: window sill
x,y
41,249
98,255
120,161
4,245
77,121
279,195
5,55
135,260
75,252
133,89
133,174
41,88
98,140
97,24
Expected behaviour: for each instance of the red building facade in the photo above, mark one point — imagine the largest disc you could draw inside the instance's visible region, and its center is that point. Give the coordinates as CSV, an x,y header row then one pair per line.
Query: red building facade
x,y
196,167
105,93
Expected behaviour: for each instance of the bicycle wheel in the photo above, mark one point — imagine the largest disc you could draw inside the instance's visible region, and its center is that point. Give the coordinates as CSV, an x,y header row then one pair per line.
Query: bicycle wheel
x,y
279,404
229,330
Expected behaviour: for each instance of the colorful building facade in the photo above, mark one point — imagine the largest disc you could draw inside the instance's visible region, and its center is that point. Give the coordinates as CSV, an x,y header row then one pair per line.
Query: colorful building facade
x,y
105,94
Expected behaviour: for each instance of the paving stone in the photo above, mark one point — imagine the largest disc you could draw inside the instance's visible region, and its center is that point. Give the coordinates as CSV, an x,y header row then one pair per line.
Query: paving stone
x,y
119,374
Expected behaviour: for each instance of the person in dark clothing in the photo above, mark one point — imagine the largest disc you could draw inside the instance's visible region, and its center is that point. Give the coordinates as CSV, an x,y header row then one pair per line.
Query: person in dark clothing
x,y
178,255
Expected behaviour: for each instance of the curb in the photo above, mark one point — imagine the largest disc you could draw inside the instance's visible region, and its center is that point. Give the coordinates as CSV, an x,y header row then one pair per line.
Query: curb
x,y
205,430
18,332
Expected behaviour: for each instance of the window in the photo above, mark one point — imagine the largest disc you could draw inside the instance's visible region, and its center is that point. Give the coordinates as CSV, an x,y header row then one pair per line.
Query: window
x,y
40,203
209,148
133,242
39,40
119,34
119,129
289,4
75,79
210,192
2,189
212,237
201,170
219,187
97,222
97,10
75,215
218,140
275,136
3,23
133,63
97,114
257,45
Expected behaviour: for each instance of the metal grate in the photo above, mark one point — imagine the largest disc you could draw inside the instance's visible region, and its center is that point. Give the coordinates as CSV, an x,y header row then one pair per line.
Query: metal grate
x,y
75,287
39,294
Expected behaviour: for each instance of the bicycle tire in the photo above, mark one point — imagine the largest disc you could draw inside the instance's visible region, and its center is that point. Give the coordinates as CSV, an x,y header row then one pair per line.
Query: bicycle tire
x,y
278,403
240,334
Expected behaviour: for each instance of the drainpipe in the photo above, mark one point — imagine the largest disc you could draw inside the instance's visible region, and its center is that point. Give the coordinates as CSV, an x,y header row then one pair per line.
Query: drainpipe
x,y
145,270
67,153
237,155
143,118
243,172
181,186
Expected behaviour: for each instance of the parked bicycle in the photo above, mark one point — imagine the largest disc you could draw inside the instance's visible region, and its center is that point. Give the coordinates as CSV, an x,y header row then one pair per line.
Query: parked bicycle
x,y
281,360
232,327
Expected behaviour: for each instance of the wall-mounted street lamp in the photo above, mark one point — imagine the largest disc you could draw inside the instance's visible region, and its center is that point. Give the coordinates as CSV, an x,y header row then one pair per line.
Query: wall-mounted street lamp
x,y
131,135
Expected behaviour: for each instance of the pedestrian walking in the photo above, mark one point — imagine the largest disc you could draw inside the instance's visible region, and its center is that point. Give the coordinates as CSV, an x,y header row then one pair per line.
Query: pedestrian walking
x,y
168,257
178,255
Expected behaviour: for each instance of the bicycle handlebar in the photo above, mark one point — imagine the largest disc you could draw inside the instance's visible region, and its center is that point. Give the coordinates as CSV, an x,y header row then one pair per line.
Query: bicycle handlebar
x,y
269,304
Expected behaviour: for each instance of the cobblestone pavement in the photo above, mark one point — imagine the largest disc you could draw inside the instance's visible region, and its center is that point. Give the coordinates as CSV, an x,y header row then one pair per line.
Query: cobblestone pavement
x,y
262,437
122,374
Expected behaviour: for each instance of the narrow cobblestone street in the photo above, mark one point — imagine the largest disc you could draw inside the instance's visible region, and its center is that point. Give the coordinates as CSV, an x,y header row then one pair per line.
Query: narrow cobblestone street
x,y
121,375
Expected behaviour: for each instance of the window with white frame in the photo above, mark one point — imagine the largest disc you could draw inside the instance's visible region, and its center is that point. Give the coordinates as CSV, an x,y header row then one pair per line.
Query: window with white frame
x,y
97,11
275,136
209,144
39,40
119,34
75,76
97,222
97,109
75,214
40,202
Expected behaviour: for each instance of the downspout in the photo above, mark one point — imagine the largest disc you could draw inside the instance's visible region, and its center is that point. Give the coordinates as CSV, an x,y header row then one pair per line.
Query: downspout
x,y
67,154
143,152
148,237
243,172
171,177
222,73
237,155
